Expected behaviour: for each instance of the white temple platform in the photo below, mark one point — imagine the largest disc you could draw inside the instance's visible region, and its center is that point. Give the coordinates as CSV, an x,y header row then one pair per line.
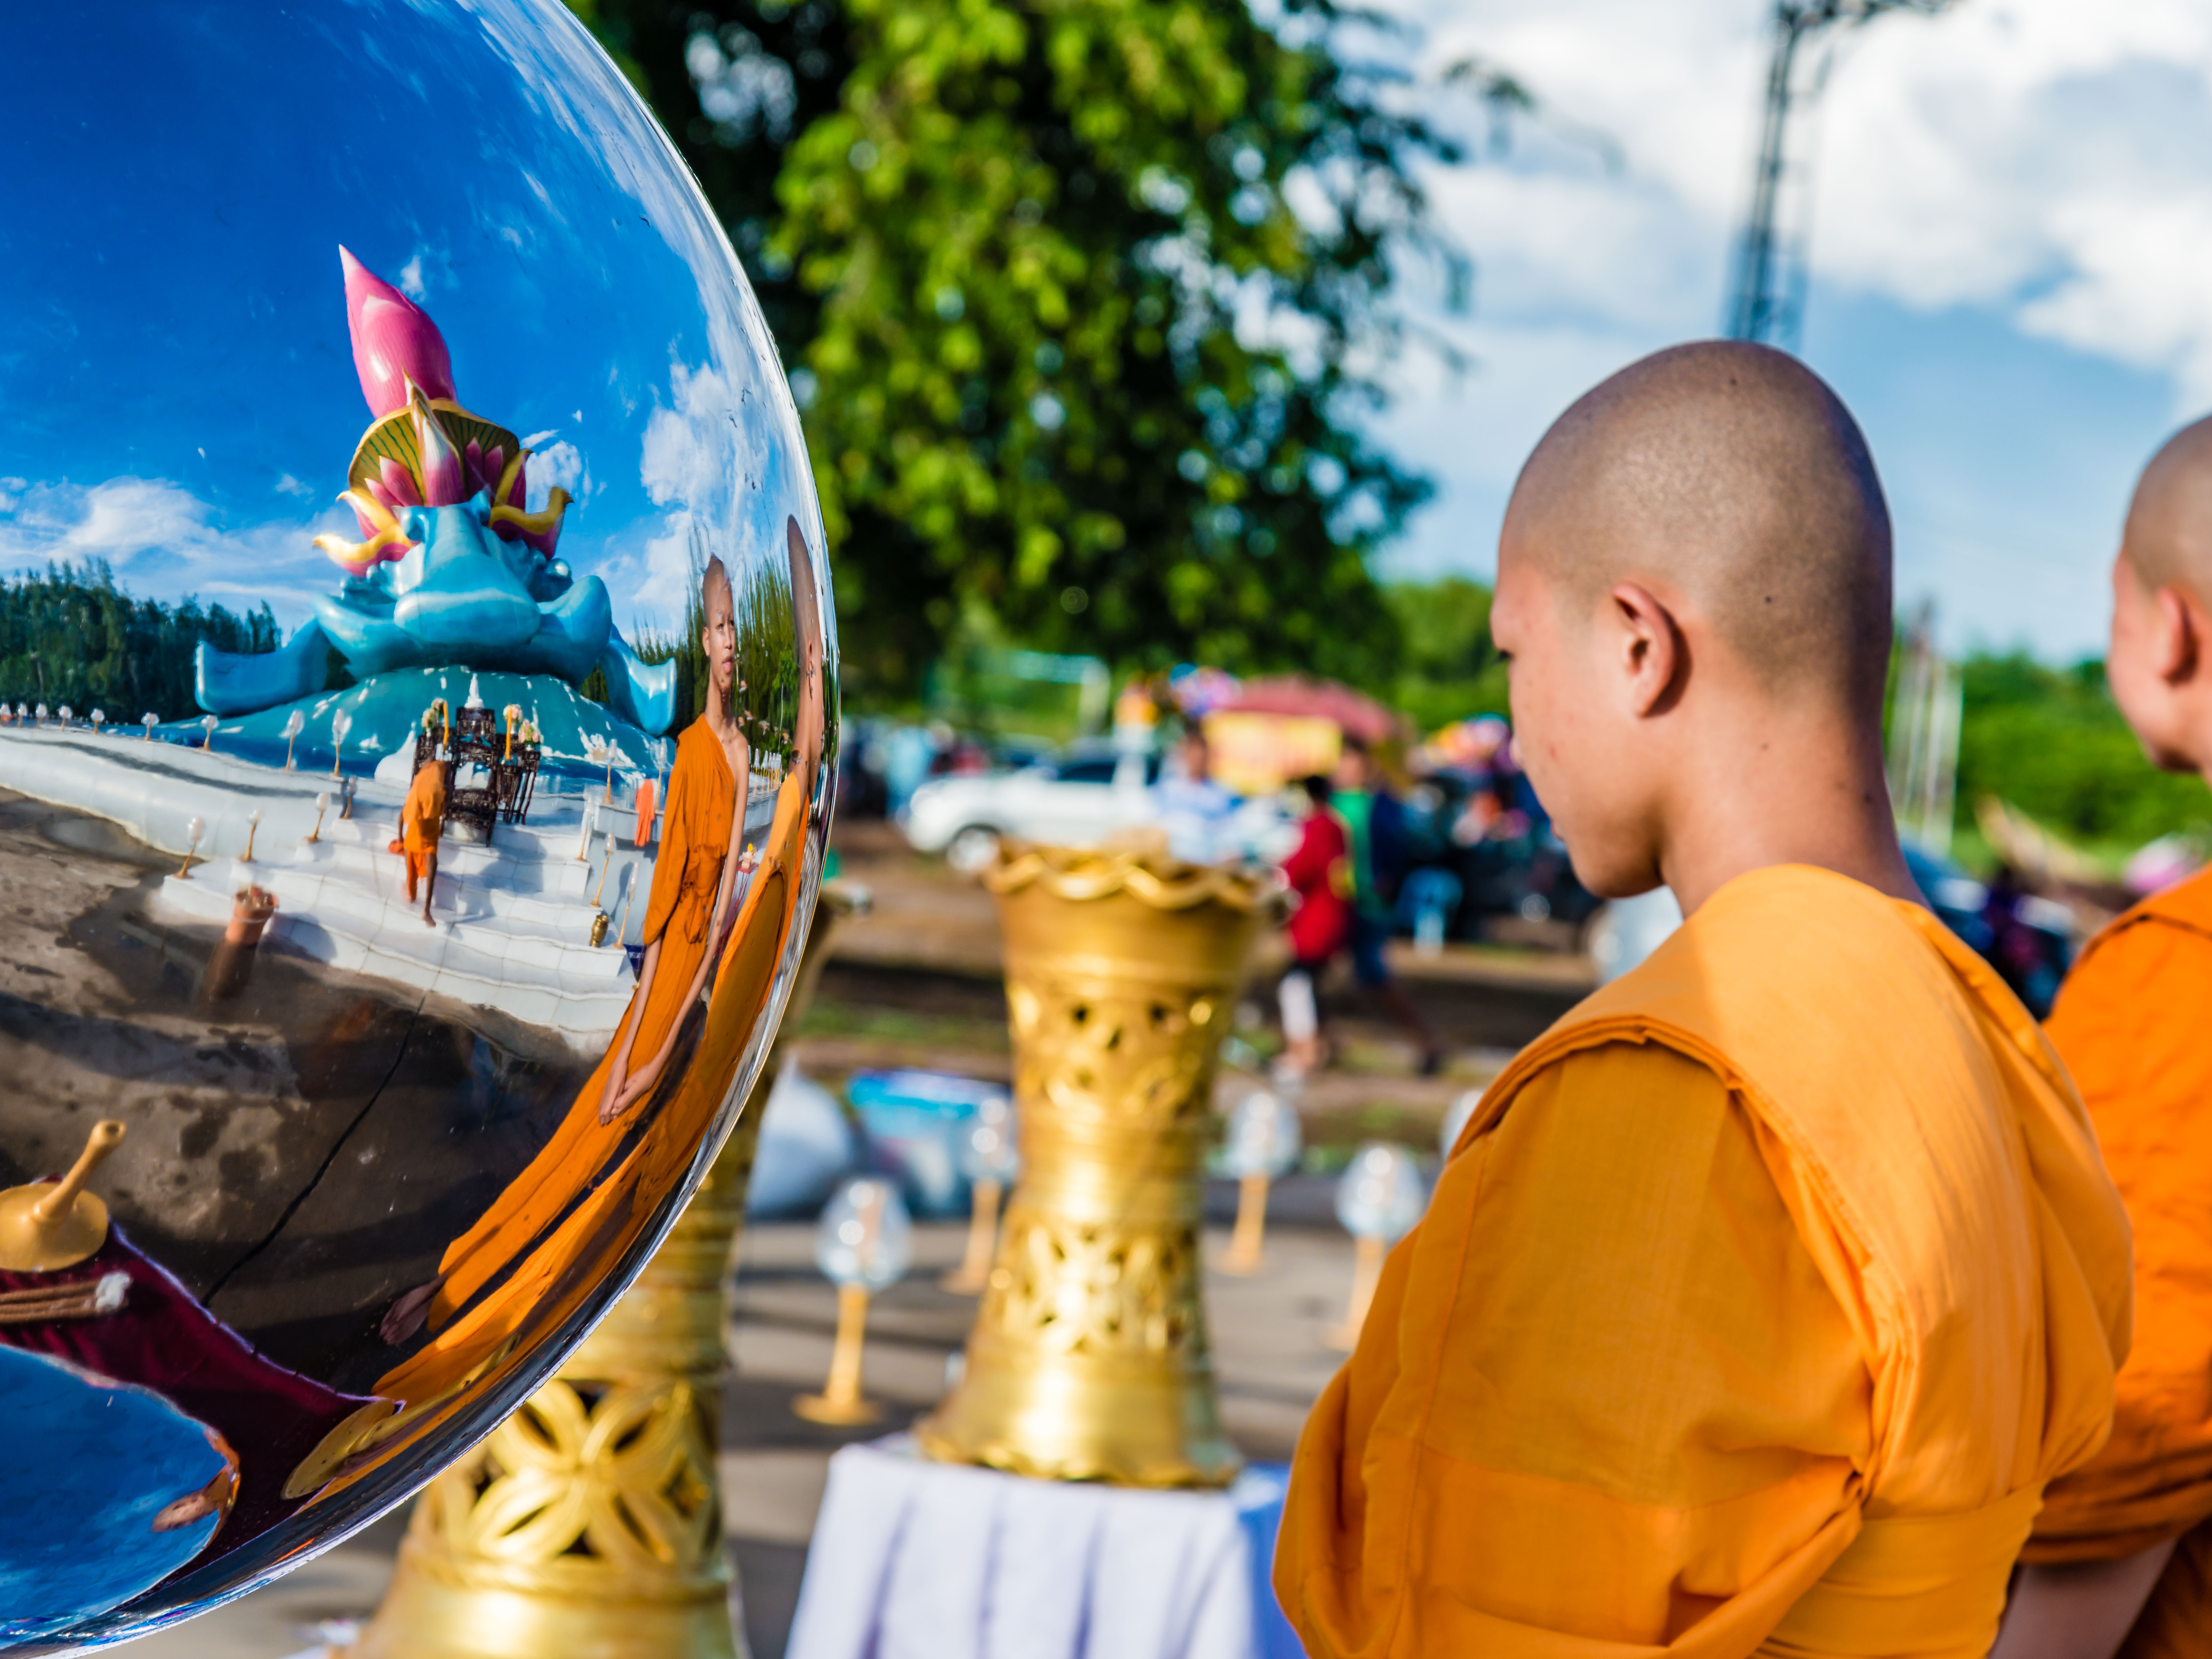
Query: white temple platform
x,y
513,918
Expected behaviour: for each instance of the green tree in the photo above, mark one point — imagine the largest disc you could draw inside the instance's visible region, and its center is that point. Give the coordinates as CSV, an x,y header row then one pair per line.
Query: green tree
x,y
1065,349
1448,669
2052,742
71,636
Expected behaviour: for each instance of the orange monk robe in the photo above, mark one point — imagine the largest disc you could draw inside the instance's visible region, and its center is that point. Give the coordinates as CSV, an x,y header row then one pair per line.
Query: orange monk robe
x,y
760,936
2134,1025
1754,1309
557,1275
679,913
422,821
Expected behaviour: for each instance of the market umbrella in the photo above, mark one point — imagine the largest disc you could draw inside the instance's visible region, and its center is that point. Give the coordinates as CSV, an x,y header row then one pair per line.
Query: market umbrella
x,y
1294,693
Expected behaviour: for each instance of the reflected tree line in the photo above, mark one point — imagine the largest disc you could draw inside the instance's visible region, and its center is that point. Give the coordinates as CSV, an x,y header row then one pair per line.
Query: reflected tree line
x,y
71,636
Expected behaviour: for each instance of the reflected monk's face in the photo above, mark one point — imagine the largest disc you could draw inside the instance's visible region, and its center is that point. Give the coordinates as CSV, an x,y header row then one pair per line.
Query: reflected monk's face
x,y
719,639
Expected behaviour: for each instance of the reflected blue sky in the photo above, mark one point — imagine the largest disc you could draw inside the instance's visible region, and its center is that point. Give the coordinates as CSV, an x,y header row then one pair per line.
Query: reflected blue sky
x,y
177,389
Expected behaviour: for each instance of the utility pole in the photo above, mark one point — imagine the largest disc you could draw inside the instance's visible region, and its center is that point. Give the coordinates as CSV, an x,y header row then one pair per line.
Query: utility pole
x,y
1766,297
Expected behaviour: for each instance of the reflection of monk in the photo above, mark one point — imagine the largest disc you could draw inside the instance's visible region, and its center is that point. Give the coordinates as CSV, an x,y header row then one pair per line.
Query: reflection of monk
x,y
761,931
563,1270
422,822
693,879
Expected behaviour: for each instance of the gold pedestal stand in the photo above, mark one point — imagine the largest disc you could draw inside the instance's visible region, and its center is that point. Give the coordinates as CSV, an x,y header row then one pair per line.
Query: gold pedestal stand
x,y
589,1525
1088,1359
840,1404
1246,1253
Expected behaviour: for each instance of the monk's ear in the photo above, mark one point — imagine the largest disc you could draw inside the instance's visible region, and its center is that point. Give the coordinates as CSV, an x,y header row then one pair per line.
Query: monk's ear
x,y
1652,656
2181,637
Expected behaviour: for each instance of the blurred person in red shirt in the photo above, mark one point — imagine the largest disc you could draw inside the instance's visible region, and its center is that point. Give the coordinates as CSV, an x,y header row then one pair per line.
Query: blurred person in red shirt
x,y
1319,871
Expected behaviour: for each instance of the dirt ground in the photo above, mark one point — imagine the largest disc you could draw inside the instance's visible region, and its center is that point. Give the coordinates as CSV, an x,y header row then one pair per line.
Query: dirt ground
x,y
295,1152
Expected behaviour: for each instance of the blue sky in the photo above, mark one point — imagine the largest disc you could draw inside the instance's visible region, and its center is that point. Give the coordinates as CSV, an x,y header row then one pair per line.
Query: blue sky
x,y
2011,230
177,390
2011,249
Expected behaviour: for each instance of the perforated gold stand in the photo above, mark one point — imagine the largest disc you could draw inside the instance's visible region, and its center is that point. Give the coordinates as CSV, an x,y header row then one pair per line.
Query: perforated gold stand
x,y
1088,1359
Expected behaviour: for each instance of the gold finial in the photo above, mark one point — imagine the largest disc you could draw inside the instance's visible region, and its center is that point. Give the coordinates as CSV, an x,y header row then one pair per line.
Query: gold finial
x,y
45,1226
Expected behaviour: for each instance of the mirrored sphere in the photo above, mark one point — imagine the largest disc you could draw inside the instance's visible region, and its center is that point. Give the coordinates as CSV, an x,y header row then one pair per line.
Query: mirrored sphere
x,y
1262,1136
991,1148
384,414
1381,1193
865,1236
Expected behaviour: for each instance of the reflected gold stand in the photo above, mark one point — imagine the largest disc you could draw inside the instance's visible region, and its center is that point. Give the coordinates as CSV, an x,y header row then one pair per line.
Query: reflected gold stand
x,y
47,1225
589,1525
1088,1359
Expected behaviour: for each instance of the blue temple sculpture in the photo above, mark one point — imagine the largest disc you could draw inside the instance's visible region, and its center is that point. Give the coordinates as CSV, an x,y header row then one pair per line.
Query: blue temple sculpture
x,y
453,569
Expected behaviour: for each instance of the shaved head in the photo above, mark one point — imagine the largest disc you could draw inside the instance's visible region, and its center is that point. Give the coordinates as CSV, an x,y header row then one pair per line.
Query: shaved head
x,y
1730,474
715,583
2169,533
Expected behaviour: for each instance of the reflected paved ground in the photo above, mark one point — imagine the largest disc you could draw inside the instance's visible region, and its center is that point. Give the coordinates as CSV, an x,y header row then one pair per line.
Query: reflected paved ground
x,y
1267,1335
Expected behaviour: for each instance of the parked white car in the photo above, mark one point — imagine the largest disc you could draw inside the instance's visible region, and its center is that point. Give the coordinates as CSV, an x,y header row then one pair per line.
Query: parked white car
x,y
1078,799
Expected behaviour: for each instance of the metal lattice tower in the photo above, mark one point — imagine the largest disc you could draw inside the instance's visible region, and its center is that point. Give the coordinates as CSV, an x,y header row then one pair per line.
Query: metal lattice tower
x,y
1766,297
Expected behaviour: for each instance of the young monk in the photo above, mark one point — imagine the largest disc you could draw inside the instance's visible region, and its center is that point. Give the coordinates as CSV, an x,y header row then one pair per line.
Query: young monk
x,y
759,934
2122,1556
1761,1296
694,883
563,1265
422,822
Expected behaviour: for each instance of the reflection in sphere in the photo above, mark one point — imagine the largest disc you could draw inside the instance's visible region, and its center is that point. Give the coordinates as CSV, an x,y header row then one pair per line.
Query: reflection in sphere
x,y
1382,1194
865,1237
1263,1136
406,443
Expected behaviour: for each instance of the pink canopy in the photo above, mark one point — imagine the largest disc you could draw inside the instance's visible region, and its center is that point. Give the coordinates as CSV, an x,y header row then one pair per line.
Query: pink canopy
x,y
1354,712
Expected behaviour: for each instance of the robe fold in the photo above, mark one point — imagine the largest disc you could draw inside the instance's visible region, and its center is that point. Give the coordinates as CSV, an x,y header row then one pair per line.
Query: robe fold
x,y
2130,1024
1754,1309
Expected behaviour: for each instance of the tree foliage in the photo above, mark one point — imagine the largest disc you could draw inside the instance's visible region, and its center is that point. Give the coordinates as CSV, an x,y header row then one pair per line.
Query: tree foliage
x,y
1066,351
2052,742
72,636
1447,669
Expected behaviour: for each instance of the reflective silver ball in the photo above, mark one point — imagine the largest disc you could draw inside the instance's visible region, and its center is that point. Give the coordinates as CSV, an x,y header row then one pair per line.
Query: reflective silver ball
x,y
383,412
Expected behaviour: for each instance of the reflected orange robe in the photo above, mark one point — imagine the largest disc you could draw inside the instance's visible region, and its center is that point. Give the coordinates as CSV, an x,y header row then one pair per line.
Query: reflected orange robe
x,y
2134,1024
567,1265
1754,1309
679,913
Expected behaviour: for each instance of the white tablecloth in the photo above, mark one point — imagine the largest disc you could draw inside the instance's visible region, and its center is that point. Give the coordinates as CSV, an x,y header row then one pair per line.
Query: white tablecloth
x,y
912,1559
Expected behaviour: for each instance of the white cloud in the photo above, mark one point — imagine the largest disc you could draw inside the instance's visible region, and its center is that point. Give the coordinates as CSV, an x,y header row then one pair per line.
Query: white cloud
x,y
2036,157
561,464
162,541
2029,169
410,279
686,456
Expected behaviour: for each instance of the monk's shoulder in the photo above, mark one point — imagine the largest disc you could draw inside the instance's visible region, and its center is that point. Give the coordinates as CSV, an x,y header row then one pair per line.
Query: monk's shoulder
x,y
1616,1113
2152,966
